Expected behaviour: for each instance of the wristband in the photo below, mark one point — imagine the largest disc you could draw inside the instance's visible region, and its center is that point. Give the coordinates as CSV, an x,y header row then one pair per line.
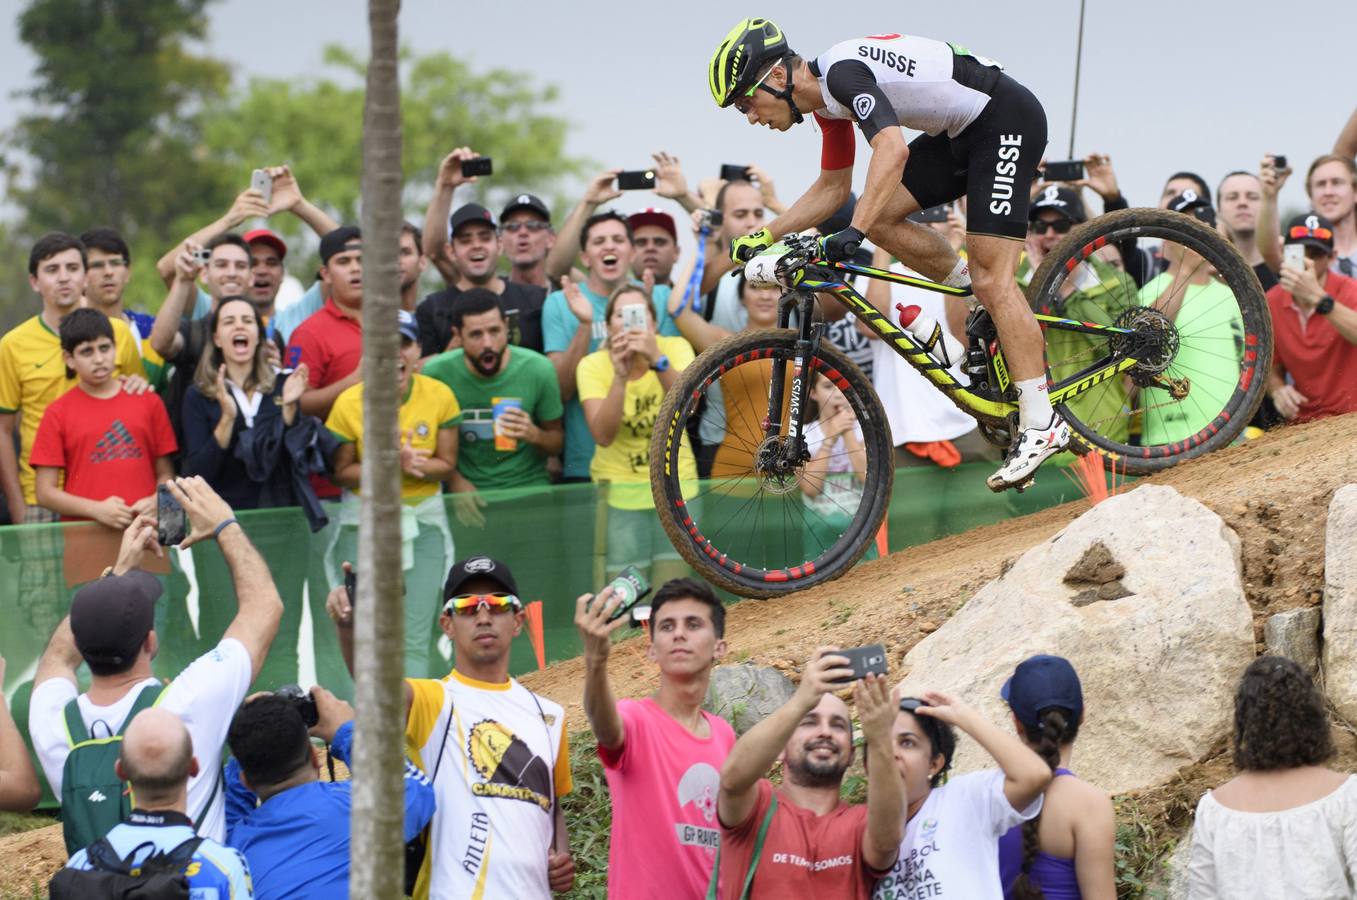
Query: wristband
x,y
222,527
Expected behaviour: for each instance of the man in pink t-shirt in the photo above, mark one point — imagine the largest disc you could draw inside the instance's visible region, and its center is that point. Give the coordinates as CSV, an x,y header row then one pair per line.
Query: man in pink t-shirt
x,y
662,754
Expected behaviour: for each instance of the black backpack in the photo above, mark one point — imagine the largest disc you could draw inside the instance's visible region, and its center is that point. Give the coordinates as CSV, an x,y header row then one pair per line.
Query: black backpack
x,y
112,877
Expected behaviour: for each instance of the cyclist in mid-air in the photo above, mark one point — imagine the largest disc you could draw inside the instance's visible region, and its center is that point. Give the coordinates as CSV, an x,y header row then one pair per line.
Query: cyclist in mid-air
x,y
983,136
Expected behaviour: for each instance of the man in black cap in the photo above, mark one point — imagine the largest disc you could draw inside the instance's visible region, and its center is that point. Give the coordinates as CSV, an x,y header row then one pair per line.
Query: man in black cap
x,y
1314,327
528,238
111,628
1051,215
474,248
495,751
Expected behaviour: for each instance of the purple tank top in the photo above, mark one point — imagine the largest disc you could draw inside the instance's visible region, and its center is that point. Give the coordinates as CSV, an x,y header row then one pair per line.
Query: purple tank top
x,y
1053,874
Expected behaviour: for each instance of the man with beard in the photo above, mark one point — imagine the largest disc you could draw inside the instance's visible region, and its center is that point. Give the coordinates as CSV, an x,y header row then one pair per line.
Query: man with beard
x,y
511,404
809,843
473,248
528,237
574,323
496,753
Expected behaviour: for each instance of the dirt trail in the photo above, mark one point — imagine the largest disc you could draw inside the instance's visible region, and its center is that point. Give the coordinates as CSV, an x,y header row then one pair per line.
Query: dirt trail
x,y
1273,491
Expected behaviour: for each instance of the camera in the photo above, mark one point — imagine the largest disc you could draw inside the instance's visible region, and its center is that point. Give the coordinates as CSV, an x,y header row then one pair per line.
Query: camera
x,y
202,256
1279,162
712,218
734,173
301,701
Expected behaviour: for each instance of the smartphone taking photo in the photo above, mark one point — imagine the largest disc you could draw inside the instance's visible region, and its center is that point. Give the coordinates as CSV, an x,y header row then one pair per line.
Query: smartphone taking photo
x,y
481,165
262,182
636,181
634,317
171,520
1063,170
734,173
863,660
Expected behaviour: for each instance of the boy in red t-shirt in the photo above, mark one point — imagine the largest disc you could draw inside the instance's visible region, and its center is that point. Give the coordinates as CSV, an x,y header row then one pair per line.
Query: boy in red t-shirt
x,y
112,447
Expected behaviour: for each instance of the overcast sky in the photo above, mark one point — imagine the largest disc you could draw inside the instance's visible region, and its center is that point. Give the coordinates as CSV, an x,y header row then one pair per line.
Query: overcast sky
x,y
1205,85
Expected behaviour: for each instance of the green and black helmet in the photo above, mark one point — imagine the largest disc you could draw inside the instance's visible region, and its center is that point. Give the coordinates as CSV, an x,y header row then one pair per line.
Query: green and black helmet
x,y
741,56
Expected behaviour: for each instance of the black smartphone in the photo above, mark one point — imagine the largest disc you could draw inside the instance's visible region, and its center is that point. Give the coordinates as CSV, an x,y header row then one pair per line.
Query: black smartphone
x,y
481,165
351,585
632,587
862,660
171,521
1279,162
932,214
1064,170
712,218
636,181
734,173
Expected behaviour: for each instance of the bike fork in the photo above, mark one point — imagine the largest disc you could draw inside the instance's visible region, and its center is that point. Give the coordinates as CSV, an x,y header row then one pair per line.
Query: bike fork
x,y
807,345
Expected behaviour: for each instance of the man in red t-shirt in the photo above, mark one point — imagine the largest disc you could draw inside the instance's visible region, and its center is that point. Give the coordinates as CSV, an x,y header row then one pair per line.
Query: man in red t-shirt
x,y
816,845
1314,329
113,447
662,754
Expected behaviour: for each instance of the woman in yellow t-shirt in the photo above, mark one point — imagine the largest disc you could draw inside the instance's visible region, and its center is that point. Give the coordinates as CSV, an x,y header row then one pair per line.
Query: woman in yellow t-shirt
x,y
621,387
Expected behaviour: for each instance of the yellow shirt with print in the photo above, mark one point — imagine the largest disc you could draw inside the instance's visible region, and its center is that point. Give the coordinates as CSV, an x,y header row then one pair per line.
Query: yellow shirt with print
x,y
471,724
429,407
625,463
33,374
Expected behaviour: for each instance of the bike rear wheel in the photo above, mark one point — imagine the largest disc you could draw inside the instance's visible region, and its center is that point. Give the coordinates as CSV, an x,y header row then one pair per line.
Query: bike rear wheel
x,y
1201,330
752,528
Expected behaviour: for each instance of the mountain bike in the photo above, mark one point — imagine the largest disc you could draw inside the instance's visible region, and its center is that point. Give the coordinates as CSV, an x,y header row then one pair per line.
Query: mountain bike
x,y
1146,374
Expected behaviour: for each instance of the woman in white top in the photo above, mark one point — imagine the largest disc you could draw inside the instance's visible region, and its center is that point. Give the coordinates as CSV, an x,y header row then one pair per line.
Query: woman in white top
x,y
1286,825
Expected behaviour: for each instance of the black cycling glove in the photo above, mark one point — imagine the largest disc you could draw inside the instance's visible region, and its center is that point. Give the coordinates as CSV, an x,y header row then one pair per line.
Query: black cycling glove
x,y
842,245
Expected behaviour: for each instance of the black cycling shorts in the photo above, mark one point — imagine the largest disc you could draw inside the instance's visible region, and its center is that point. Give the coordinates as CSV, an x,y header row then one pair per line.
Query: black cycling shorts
x,y
992,162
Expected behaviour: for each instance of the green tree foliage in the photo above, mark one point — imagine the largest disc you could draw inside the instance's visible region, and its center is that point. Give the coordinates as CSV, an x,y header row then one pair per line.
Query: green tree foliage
x,y
315,126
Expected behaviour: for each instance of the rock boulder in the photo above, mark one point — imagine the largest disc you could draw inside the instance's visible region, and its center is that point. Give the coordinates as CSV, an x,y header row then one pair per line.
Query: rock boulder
x,y
744,694
1295,635
1143,594
1340,602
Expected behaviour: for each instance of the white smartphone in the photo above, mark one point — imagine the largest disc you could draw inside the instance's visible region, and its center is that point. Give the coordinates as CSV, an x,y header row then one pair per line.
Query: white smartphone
x,y
634,317
262,182
1293,255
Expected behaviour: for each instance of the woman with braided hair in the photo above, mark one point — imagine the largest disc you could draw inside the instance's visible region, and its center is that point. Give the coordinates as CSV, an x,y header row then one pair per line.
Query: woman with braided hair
x,y
1066,852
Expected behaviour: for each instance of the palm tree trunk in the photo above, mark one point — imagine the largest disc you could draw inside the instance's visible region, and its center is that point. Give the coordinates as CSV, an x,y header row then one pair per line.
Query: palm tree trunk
x,y
377,861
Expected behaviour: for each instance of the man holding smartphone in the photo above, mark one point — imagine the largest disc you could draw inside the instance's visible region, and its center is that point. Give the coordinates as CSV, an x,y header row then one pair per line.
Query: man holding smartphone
x,y
984,134
662,755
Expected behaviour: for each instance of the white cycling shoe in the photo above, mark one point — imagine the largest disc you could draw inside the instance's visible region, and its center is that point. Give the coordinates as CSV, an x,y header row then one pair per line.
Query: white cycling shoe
x,y
1032,448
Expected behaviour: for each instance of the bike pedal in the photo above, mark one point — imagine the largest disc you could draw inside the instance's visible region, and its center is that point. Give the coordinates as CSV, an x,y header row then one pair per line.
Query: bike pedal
x,y
1024,485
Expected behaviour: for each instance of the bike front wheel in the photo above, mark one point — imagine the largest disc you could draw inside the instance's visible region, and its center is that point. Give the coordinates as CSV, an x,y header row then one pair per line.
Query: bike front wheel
x,y
1194,319
774,512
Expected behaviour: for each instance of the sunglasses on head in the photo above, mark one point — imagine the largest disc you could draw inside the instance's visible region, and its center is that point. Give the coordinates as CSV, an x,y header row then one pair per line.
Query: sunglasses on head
x,y
1300,231
470,604
911,704
513,227
1059,226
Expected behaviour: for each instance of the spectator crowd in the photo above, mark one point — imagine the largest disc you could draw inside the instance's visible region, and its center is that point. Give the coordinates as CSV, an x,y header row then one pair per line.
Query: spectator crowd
x,y
544,359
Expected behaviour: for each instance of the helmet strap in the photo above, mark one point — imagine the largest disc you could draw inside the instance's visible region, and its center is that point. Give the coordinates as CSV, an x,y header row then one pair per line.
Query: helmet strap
x,y
786,93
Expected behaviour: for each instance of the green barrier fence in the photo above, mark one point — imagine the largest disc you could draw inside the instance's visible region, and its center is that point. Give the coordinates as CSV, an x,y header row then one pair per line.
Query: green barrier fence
x,y
552,538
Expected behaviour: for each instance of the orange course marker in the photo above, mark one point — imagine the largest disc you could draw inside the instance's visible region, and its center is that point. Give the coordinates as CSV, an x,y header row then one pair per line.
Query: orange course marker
x,y
536,633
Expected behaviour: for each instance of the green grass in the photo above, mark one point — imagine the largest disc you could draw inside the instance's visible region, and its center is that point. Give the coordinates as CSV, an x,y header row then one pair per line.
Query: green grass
x,y
589,816
16,823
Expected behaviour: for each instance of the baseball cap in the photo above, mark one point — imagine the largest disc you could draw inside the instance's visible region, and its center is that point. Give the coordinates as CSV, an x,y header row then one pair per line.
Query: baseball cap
x,y
478,567
409,327
1312,230
526,201
652,216
1195,205
336,241
111,617
1061,199
1040,683
265,236
470,212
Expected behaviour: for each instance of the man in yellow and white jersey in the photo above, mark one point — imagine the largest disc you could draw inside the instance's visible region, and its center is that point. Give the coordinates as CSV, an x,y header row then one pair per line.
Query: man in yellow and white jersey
x,y
497,753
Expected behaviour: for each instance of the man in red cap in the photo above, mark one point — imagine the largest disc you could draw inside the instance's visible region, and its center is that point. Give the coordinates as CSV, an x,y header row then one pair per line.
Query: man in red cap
x,y
656,241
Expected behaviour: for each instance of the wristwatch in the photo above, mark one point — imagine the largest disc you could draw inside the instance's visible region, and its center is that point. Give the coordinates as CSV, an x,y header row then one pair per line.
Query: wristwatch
x,y
1324,306
662,364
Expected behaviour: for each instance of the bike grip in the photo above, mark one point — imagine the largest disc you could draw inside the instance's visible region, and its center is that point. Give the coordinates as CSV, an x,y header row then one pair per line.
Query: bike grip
x,y
744,253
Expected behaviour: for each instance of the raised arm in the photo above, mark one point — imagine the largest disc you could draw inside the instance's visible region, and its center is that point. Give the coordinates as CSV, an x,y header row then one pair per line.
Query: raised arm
x,y
566,361
670,182
567,247
249,204
19,787
287,196
885,789
259,608
449,178
1026,775
753,754
165,337
1346,145
600,705
1267,234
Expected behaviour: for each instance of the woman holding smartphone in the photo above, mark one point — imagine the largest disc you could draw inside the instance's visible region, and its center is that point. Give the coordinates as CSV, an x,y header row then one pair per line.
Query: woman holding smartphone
x,y
952,825
621,386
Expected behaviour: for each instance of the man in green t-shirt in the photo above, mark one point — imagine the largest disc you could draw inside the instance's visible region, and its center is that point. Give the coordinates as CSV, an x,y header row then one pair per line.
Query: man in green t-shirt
x,y
510,400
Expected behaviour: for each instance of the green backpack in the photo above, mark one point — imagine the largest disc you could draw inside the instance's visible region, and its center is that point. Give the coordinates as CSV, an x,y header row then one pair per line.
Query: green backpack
x,y
93,797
